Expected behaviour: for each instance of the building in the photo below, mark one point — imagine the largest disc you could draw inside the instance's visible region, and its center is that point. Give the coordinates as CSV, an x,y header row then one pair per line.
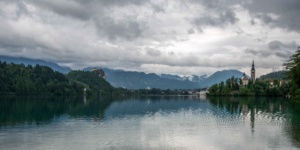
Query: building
x,y
245,80
99,72
253,72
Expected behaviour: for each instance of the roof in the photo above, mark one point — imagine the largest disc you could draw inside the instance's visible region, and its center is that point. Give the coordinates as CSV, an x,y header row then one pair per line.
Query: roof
x,y
244,78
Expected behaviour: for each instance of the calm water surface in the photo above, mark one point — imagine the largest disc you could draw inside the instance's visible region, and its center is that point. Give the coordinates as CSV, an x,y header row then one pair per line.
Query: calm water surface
x,y
78,123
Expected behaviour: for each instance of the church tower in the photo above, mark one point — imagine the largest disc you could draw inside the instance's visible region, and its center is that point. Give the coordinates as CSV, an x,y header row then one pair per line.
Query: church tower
x,y
253,71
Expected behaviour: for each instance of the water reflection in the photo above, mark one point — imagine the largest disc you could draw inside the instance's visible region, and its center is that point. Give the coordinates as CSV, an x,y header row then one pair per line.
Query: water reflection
x,y
223,122
40,110
269,108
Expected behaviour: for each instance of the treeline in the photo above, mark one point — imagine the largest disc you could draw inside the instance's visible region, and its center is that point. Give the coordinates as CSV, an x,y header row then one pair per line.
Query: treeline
x,y
234,86
29,80
275,75
293,66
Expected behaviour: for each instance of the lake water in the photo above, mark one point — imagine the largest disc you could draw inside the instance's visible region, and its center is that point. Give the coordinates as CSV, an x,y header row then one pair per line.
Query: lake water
x,y
77,123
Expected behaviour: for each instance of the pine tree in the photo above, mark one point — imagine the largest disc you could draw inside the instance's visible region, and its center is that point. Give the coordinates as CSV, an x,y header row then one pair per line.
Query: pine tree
x,y
293,67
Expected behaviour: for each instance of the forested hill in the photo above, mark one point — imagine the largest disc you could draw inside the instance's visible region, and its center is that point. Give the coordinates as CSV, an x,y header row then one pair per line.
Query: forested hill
x,y
25,80
33,62
274,75
90,79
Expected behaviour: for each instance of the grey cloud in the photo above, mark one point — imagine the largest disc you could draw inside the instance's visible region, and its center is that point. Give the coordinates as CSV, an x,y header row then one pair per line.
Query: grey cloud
x,y
222,18
287,11
276,48
281,49
277,45
117,2
11,40
190,31
21,9
122,29
283,54
113,39
214,4
158,9
64,8
262,53
171,53
253,22
153,52
219,13
266,18
82,9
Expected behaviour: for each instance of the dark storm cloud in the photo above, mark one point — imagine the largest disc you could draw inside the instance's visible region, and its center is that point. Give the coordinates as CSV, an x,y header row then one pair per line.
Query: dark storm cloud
x,y
287,12
122,29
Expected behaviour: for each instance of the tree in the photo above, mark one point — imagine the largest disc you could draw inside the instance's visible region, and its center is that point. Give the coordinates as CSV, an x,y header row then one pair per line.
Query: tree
x,y
213,90
293,67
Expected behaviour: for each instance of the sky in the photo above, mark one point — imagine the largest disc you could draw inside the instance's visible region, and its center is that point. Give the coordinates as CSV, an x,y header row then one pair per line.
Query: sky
x,y
183,37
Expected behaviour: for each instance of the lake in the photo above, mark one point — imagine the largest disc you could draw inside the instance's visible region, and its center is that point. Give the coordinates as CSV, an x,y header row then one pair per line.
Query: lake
x,y
77,123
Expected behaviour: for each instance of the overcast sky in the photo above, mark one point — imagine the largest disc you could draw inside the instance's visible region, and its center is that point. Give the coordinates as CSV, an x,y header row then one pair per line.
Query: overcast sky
x,y
161,36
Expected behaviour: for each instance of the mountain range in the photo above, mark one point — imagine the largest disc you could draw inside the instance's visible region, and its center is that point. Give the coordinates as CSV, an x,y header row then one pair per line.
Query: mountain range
x,y
140,80
33,62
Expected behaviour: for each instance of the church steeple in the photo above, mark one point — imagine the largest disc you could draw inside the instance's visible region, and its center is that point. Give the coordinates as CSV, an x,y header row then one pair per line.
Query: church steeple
x,y
253,71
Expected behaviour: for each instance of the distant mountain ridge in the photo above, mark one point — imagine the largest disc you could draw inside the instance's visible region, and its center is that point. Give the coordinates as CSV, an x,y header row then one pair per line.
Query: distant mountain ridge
x,y
33,62
192,78
141,80
219,76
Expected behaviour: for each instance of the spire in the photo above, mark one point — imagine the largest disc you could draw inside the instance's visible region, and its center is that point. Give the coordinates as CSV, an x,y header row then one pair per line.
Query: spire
x,y
253,65
253,71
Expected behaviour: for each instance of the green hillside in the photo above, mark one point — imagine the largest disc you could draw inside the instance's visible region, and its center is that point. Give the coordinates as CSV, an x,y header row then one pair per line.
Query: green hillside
x,y
28,80
90,80
275,75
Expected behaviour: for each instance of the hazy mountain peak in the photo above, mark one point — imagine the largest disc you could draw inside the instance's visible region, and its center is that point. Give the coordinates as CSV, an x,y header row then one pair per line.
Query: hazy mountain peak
x,y
33,62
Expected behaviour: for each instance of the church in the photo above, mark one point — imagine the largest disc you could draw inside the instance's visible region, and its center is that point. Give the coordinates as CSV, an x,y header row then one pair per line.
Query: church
x,y
245,79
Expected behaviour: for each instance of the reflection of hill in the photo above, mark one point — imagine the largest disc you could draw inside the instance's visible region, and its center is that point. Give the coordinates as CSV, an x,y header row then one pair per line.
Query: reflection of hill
x,y
245,104
151,105
274,108
28,110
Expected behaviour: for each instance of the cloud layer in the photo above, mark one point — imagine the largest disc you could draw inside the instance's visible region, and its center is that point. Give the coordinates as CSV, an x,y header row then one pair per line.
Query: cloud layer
x,y
161,36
